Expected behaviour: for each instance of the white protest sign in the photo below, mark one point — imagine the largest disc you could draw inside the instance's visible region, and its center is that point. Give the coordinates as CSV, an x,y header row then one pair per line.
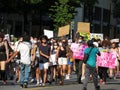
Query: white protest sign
x,y
114,40
48,33
96,36
7,37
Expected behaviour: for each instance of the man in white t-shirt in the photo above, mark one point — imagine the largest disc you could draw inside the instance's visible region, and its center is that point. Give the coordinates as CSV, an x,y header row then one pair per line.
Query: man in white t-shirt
x,y
24,49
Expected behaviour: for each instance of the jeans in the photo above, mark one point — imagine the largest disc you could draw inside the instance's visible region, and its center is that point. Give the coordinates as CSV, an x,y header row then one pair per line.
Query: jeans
x,y
24,73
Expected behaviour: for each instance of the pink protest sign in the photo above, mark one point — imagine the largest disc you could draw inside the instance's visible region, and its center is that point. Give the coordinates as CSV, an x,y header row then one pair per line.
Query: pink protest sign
x,y
107,59
78,50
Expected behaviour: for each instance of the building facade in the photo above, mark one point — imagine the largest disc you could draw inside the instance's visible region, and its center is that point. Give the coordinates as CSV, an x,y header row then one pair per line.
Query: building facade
x,y
102,18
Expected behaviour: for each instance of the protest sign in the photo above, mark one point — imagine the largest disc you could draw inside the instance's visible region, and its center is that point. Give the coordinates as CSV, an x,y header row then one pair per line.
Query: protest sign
x,y
63,30
96,36
106,59
48,33
78,50
83,27
114,40
7,37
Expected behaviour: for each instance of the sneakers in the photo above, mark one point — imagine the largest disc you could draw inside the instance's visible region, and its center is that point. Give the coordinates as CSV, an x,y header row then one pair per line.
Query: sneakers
x,y
32,80
25,85
67,77
43,84
82,79
21,85
60,82
102,82
38,83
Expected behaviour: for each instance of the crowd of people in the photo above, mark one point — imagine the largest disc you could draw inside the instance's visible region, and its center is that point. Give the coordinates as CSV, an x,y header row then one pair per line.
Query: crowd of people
x,y
45,60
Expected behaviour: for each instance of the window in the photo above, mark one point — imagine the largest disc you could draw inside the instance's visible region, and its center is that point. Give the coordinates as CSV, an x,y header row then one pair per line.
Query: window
x,y
97,14
106,15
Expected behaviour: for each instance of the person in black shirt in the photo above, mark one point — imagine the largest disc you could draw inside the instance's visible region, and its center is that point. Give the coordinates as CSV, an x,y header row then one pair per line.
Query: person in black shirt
x,y
61,56
44,57
4,55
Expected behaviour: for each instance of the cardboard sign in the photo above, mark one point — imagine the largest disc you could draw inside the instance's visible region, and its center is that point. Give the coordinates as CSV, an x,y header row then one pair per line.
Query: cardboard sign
x,y
78,50
64,30
48,33
107,59
84,27
96,36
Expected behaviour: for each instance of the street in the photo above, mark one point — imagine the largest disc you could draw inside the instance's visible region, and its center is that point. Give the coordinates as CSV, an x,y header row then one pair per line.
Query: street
x,y
68,85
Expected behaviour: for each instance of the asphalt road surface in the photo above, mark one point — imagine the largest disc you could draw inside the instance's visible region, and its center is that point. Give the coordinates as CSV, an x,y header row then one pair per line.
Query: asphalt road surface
x,y
68,85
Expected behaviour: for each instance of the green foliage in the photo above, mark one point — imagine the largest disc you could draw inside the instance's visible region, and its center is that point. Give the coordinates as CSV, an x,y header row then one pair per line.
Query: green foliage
x,y
62,13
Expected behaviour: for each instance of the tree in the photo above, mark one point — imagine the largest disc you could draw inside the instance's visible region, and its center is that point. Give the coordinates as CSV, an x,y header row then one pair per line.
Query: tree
x,y
63,12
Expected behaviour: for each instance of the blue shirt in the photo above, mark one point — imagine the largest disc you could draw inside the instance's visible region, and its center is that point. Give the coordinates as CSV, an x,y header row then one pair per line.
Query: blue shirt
x,y
92,56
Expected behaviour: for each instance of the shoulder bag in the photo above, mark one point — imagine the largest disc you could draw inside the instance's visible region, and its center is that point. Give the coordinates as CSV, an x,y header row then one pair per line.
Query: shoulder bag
x,y
86,56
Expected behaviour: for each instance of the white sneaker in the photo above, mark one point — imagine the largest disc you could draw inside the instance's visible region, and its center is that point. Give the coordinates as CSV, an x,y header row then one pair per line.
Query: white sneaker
x,y
32,80
43,84
37,83
67,77
82,79
40,83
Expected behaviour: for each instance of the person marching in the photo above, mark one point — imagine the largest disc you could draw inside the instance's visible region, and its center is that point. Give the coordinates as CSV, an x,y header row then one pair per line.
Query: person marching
x,y
24,48
45,50
4,55
61,56
91,65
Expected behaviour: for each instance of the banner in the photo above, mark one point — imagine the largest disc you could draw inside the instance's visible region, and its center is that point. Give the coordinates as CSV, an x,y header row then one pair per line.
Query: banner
x,y
78,50
96,36
63,30
107,59
48,33
83,27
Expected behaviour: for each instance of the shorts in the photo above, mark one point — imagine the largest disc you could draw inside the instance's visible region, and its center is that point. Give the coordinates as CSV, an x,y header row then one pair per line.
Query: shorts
x,y
69,62
43,66
62,61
